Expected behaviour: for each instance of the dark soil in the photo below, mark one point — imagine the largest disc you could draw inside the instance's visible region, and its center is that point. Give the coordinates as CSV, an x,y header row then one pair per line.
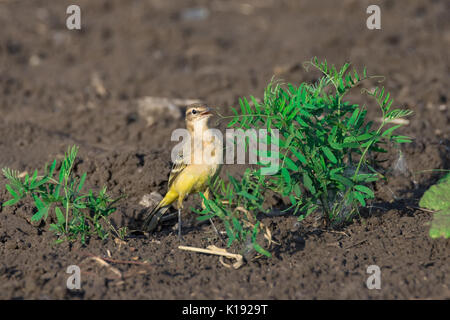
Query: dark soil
x,y
48,101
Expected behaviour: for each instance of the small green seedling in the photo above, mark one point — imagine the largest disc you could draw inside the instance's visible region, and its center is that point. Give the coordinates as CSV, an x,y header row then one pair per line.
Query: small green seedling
x,y
437,198
78,215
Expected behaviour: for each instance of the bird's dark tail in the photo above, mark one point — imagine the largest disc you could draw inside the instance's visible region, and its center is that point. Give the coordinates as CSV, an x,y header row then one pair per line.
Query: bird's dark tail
x,y
153,218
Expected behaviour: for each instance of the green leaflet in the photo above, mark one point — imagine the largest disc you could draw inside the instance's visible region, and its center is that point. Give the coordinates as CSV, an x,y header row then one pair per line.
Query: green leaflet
x,y
365,190
329,154
307,181
290,164
440,225
437,198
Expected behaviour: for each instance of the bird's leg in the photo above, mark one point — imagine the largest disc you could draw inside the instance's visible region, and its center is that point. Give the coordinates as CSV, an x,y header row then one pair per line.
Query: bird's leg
x,y
180,207
206,194
179,225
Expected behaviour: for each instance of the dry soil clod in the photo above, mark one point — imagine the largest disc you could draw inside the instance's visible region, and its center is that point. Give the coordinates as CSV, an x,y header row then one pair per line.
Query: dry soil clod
x,y
150,108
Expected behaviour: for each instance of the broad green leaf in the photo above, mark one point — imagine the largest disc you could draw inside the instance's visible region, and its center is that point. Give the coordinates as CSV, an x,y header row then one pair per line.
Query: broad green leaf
x,y
59,216
33,178
299,156
38,183
79,205
293,114
302,122
344,180
353,118
52,168
359,197
290,164
402,139
38,202
362,137
57,190
11,191
440,225
247,195
297,190
205,217
261,250
80,185
390,130
62,172
366,177
365,190
308,183
10,202
286,176
329,154
292,199
437,197
40,214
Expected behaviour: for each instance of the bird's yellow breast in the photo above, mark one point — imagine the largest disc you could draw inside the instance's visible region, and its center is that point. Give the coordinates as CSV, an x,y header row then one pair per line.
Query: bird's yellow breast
x,y
194,178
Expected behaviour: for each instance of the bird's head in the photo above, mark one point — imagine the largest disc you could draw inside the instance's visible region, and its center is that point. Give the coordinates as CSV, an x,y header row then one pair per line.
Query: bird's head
x,y
198,113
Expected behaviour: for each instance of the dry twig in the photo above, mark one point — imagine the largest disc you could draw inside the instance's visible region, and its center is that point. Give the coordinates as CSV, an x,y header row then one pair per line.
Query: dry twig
x,y
220,252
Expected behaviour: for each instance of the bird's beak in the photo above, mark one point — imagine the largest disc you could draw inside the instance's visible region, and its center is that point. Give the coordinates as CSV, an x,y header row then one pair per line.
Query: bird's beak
x,y
206,113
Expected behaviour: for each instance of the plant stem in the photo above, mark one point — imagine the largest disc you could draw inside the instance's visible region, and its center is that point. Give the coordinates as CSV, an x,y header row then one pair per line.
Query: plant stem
x,y
367,149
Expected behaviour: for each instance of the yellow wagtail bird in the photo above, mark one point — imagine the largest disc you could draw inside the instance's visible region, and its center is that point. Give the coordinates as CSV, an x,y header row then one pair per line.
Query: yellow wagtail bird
x,y
188,174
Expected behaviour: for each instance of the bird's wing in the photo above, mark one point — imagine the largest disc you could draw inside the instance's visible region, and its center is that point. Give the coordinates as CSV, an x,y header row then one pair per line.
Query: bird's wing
x,y
178,166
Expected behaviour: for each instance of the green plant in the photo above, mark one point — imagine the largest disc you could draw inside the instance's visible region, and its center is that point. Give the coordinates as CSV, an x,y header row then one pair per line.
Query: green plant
x,y
78,215
437,198
325,149
237,203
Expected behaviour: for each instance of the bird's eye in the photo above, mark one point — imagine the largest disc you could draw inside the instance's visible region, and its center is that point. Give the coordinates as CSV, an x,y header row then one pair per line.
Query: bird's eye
x,y
194,111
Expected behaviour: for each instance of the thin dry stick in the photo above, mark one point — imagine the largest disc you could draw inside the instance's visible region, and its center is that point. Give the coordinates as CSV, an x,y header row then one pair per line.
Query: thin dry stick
x,y
117,261
127,262
422,209
335,231
217,251
107,265
355,244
